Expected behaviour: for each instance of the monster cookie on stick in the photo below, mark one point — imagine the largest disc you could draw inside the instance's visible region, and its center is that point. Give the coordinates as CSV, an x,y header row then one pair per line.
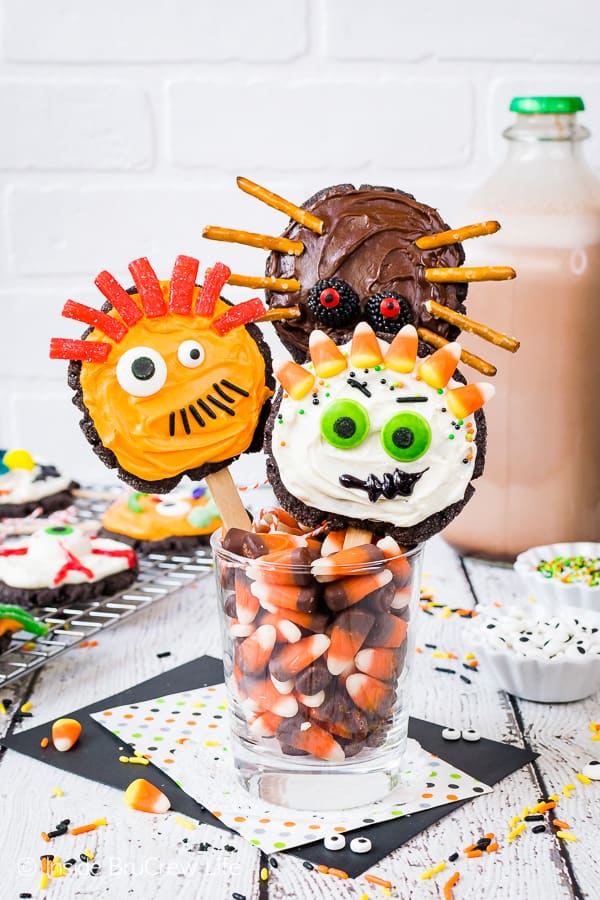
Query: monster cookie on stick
x,y
171,379
370,436
370,253
26,485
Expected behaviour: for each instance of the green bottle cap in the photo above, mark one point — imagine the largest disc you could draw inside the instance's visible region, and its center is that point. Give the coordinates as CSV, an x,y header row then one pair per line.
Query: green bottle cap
x,y
546,105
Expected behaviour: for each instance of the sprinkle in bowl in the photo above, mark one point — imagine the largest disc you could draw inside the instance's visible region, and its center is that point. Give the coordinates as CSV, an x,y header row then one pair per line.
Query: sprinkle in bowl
x,y
559,575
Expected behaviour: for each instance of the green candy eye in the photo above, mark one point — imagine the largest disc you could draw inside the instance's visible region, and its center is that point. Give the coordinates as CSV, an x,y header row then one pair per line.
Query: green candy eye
x,y
345,424
59,530
406,436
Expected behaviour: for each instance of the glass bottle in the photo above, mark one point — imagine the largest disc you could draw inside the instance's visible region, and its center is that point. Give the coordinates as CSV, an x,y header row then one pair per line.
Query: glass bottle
x,y
541,483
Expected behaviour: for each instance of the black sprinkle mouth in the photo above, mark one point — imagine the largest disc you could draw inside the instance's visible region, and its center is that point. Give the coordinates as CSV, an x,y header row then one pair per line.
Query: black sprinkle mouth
x,y
391,485
201,406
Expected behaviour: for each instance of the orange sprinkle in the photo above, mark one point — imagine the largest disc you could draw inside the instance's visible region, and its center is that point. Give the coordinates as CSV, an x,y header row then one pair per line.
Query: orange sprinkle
x,y
473,664
491,848
469,848
282,443
45,837
426,796
451,797
546,806
473,854
81,829
314,827
216,813
418,650
375,879
559,824
490,835
289,824
44,862
84,644
323,869
449,885
93,644
264,820
338,828
338,873
239,818
44,742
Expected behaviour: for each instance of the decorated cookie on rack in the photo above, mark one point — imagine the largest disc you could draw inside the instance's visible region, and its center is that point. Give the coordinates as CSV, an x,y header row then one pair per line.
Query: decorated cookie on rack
x,y
171,379
27,484
369,435
373,254
14,619
61,564
153,523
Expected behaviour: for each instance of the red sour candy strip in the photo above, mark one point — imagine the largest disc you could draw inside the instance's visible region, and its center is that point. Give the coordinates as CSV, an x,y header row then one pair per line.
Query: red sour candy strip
x,y
211,289
72,565
245,312
148,287
129,555
183,280
89,316
86,351
118,297
13,551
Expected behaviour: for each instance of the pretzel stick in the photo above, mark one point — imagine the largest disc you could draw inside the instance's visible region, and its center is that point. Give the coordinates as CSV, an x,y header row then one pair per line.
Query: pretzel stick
x,y
228,501
294,212
466,324
356,537
469,359
279,313
86,494
444,238
262,241
270,283
475,273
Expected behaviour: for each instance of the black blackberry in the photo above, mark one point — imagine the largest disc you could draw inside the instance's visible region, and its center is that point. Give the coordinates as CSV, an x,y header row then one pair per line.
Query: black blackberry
x,y
332,302
388,311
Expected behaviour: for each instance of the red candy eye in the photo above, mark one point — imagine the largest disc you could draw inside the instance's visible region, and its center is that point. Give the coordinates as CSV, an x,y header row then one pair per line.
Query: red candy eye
x,y
329,298
389,307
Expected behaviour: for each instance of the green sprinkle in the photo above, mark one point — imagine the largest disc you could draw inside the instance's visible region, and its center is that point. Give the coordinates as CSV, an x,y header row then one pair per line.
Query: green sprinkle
x,y
440,390
378,368
450,437
460,422
300,412
279,844
133,502
397,812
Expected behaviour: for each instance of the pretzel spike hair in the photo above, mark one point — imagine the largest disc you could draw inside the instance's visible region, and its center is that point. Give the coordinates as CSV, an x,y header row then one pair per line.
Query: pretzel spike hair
x,y
251,239
474,273
86,351
97,319
302,216
183,281
268,282
148,287
118,298
242,314
214,279
456,235
466,324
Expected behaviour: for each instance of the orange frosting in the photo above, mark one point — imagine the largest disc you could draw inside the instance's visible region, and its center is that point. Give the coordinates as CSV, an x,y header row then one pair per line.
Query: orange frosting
x,y
137,429
150,524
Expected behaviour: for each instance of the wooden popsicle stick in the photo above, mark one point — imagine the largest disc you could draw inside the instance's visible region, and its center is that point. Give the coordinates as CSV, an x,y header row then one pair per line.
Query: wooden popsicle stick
x,y
268,282
297,213
467,274
280,312
356,537
466,324
228,501
469,359
251,239
455,236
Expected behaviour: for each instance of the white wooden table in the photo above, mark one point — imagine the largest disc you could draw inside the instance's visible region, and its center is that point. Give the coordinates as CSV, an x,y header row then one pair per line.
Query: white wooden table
x,y
148,857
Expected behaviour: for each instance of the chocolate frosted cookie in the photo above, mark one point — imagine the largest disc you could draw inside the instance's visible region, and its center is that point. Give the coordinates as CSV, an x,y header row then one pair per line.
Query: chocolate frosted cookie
x,y
26,485
372,436
366,265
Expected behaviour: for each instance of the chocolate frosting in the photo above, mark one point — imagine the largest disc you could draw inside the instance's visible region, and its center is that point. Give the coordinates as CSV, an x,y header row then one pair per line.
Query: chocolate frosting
x,y
368,241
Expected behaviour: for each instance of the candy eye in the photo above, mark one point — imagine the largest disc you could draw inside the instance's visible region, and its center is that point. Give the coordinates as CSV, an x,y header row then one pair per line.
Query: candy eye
x,y
172,508
190,354
333,302
345,424
406,436
388,311
59,530
141,371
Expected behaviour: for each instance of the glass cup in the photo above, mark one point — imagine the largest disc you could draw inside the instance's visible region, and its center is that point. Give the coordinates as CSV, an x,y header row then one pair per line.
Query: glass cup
x,y
317,660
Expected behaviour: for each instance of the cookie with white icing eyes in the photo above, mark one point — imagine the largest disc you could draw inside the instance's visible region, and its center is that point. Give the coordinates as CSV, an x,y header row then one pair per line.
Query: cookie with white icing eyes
x,y
372,435
26,484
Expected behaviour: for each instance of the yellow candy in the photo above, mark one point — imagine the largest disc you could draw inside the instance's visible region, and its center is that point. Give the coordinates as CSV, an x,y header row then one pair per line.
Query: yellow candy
x,y
18,459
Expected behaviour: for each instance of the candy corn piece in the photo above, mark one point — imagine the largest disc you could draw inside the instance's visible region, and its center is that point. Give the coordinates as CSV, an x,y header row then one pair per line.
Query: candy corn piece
x,y
313,701
291,659
402,352
347,591
310,621
265,725
333,542
437,370
144,796
293,378
398,564
283,567
364,350
254,652
246,603
267,697
388,631
468,398
237,630
347,562
349,631
311,738
370,694
380,662
287,631
286,596
65,733
327,358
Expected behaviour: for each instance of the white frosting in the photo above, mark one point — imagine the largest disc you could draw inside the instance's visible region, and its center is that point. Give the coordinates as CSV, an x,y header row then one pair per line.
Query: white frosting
x,y
19,486
310,467
46,555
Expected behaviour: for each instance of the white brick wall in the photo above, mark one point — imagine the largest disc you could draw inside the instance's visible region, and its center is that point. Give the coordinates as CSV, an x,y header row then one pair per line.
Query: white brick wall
x,y
124,125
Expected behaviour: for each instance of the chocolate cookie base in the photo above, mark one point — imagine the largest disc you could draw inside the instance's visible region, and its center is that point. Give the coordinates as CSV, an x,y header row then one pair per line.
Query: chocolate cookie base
x,y
49,504
171,544
65,594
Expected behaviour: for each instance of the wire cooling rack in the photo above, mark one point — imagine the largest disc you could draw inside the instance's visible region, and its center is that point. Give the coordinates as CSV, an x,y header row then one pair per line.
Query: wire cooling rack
x,y
160,574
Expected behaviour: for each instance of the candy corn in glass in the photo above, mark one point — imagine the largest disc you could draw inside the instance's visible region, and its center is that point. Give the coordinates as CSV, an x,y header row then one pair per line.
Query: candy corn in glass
x,y
317,648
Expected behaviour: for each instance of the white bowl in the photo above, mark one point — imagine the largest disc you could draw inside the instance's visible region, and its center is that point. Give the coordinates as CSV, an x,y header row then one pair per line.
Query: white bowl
x,y
559,679
551,592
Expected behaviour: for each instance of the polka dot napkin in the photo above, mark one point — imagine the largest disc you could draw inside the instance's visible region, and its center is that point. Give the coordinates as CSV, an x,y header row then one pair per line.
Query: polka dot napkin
x,y
187,736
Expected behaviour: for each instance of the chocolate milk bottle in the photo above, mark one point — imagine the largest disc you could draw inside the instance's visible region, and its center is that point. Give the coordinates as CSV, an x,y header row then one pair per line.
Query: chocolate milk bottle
x,y
542,476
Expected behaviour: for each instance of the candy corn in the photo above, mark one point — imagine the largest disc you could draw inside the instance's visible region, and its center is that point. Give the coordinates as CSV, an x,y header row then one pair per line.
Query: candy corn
x,y
370,694
468,398
144,796
349,631
347,562
347,591
364,350
292,658
254,652
286,596
328,360
65,733
293,378
402,352
311,738
437,370
380,662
